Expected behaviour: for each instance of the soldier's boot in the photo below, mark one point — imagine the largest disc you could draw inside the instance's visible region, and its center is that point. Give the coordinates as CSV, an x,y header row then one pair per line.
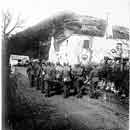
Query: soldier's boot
x,y
78,89
38,83
47,89
80,92
92,90
75,87
66,92
29,79
35,82
42,86
32,81
58,91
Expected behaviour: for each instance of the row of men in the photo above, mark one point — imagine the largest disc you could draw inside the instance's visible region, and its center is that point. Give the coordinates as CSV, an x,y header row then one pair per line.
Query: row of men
x,y
47,76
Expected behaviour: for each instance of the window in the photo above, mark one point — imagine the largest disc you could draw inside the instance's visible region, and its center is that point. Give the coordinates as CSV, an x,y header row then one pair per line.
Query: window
x,y
86,44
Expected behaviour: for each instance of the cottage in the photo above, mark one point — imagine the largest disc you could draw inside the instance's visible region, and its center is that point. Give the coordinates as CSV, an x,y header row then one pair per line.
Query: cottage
x,y
87,39
85,49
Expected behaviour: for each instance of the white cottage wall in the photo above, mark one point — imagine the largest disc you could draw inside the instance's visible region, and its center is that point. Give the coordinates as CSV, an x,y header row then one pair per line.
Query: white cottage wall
x,y
102,47
72,48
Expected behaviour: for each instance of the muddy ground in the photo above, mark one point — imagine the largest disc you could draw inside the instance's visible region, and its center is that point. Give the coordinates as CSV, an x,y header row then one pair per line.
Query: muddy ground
x,y
57,113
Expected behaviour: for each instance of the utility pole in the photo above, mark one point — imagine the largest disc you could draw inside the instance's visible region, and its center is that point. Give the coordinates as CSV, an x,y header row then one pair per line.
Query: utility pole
x,y
108,33
129,35
107,19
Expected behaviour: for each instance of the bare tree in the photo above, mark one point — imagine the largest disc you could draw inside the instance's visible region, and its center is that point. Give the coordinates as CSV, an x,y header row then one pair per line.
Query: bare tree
x,y
8,27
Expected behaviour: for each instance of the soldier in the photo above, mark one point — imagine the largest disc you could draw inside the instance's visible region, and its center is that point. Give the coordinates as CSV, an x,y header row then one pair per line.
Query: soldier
x,y
49,78
59,70
37,73
52,72
43,76
59,74
28,70
66,79
78,79
46,80
30,73
94,77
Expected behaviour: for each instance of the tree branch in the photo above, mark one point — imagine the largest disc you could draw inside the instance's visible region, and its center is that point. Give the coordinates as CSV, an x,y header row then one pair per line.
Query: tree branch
x,y
7,20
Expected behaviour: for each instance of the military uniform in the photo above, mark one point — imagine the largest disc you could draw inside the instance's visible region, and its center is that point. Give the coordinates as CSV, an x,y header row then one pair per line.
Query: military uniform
x,y
58,77
94,77
30,72
78,79
37,73
66,80
49,78
46,80
59,71
42,77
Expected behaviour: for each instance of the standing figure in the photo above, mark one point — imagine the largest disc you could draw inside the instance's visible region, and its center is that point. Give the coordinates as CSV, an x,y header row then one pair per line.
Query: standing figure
x,y
94,77
30,73
66,79
78,80
59,75
37,72
43,77
48,78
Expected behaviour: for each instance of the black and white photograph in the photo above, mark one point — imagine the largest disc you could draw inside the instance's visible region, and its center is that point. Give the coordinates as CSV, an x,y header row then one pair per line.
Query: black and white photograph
x,y
65,64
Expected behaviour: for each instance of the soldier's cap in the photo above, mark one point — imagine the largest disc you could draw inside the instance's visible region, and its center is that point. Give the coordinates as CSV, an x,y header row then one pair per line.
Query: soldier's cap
x,y
43,61
77,65
57,63
64,64
48,63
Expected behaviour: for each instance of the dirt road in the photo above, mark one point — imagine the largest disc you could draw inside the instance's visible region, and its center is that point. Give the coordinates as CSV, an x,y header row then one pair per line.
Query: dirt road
x,y
56,113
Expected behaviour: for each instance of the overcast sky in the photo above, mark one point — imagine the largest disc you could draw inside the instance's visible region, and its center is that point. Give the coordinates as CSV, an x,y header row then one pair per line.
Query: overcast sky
x,y
34,11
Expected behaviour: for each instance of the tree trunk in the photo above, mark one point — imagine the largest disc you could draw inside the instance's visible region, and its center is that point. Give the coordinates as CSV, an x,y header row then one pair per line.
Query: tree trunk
x,y
5,79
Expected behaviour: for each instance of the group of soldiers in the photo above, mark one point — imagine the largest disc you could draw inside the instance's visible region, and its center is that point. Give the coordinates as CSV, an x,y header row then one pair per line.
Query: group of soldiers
x,y
47,76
